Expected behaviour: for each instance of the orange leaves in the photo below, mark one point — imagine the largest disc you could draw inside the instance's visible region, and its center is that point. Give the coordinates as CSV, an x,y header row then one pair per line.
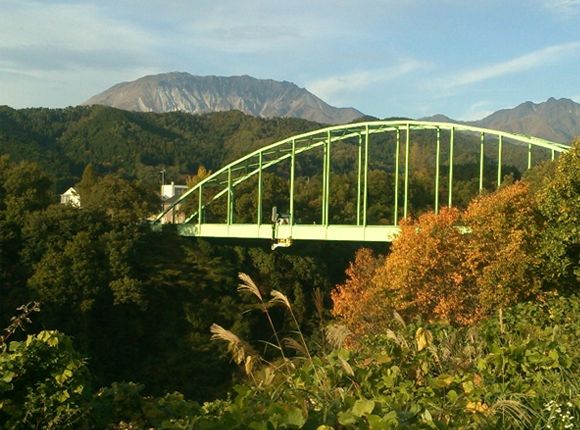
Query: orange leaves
x,y
354,301
420,274
504,246
439,271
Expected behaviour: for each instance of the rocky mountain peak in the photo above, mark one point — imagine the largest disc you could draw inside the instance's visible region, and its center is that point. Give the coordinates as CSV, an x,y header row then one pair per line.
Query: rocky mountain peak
x,y
555,119
179,91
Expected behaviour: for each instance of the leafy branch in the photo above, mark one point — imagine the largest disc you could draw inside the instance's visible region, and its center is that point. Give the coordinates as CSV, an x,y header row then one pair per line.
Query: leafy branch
x,y
18,321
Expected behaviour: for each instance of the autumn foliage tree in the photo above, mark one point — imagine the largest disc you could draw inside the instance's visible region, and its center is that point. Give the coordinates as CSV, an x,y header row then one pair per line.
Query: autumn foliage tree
x,y
559,201
456,265
425,271
354,300
504,247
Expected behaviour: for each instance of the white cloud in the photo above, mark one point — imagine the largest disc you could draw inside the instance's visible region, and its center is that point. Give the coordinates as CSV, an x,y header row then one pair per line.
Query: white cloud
x,y
257,26
533,60
37,36
477,111
329,87
563,8
59,53
238,38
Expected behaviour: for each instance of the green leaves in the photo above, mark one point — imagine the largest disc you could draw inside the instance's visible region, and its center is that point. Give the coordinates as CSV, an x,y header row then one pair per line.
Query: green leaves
x,y
42,383
444,380
423,338
363,407
434,376
559,201
8,376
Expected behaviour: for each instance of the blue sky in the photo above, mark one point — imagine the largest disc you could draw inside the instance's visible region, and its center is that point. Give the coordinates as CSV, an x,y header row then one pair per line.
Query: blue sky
x,y
413,58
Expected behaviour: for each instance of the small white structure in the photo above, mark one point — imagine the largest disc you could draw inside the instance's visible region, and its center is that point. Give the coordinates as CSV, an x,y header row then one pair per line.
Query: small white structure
x,y
172,190
71,197
169,194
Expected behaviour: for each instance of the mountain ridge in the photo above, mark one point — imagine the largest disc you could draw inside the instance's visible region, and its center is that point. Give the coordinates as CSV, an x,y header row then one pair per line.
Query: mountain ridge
x,y
181,91
555,119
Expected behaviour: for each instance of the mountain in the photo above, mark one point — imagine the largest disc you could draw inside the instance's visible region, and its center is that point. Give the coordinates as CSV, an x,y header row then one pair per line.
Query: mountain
x,y
200,94
556,120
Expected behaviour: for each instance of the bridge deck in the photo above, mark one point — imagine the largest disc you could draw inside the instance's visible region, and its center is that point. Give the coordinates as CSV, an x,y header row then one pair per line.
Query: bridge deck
x,y
374,233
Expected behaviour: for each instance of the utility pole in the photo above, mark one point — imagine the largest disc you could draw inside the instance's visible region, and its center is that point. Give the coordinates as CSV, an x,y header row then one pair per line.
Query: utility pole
x,y
162,175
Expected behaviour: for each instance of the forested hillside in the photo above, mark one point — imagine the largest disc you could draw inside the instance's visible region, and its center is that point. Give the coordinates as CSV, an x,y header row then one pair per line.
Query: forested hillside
x,y
142,145
135,145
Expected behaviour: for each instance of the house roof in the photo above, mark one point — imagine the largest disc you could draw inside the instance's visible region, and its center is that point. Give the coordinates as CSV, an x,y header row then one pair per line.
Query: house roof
x,y
70,191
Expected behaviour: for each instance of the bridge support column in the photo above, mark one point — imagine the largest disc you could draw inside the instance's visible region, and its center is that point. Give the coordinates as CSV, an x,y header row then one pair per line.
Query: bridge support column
x,y
259,208
451,145
326,180
407,144
437,167
292,175
366,176
230,208
481,161
396,203
358,183
500,151
200,208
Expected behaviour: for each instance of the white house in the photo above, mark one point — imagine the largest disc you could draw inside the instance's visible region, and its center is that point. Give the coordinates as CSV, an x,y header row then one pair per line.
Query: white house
x,y
172,190
170,193
71,197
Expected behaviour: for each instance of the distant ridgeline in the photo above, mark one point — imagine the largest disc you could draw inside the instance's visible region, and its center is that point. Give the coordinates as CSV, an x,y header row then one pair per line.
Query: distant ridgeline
x,y
134,145
178,91
140,145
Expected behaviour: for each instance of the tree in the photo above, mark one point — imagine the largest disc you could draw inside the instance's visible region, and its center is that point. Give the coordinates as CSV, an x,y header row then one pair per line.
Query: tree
x,y
559,201
122,200
201,174
503,248
456,265
24,189
423,273
88,182
354,300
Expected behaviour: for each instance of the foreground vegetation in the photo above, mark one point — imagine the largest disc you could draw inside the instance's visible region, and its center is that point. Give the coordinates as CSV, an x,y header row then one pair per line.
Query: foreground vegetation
x,y
518,369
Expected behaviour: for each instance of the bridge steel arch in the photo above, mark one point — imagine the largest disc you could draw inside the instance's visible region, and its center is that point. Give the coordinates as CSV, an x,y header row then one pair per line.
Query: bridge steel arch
x,y
285,230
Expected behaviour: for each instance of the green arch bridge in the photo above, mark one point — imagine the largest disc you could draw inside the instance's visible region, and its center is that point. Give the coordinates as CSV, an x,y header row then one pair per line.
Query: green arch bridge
x,y
238,200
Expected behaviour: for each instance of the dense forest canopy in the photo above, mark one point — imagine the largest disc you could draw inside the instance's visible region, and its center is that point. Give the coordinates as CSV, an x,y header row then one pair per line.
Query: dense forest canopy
x,y
134,145
139,303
